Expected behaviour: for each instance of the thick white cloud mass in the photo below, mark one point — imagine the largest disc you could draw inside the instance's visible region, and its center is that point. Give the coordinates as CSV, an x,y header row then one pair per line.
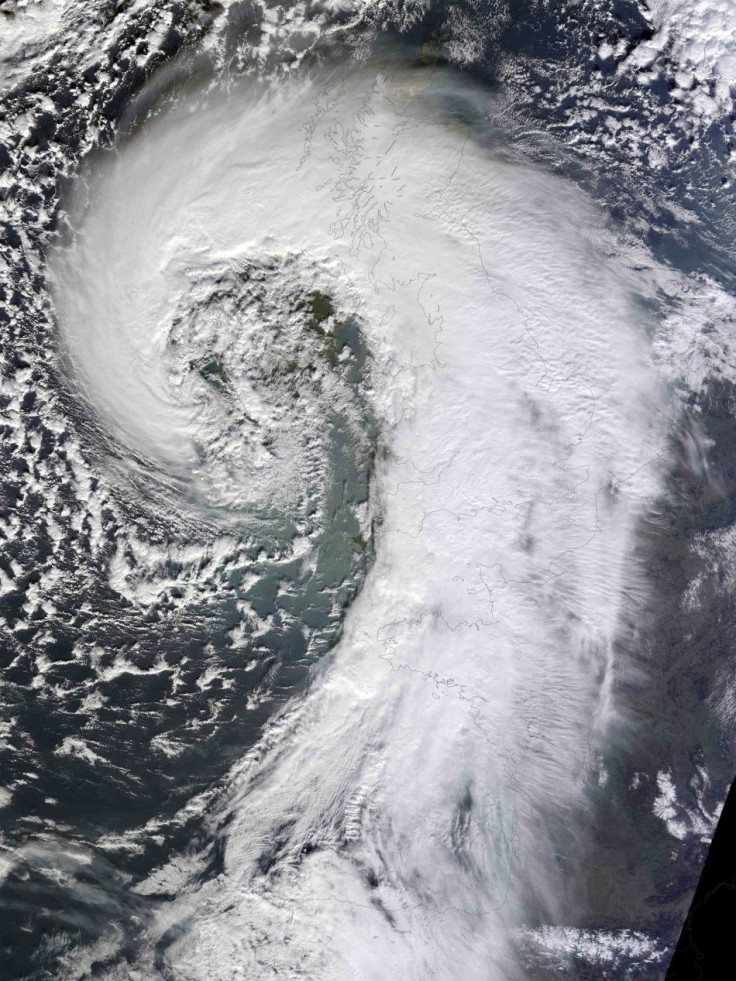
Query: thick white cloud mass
x,y
391,822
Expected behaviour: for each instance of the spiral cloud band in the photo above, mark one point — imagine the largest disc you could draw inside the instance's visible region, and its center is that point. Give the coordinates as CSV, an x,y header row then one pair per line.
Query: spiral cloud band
x,y
318,338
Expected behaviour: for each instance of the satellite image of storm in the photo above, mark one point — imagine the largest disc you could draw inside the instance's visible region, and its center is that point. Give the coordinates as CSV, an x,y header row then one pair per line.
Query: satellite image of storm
x,y
367,490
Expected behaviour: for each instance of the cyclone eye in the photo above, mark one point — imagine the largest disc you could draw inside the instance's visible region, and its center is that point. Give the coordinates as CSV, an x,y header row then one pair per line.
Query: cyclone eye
x,y
268,372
